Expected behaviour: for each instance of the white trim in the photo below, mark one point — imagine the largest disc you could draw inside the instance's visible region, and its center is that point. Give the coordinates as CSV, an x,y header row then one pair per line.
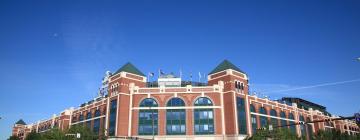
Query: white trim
x,y
107,116
88,119
235,112
117,115
123,75
228,73
177,107
248,122
130,116
258,114
222,113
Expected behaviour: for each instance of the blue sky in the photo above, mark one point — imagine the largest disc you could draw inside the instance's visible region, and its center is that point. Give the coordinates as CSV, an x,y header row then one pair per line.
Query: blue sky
x,y
53,54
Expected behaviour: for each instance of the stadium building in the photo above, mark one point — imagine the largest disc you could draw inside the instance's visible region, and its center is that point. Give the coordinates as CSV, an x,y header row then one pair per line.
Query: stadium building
x,y
130,106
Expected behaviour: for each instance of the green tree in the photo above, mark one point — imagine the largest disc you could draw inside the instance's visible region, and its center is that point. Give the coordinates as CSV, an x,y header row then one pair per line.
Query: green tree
x,y
85,132
13,138
276,134
33,136
54,134
334,135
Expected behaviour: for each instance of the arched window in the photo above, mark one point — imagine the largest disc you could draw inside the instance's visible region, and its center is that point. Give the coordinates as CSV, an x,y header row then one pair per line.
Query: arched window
x,y
148,118
96,127
302,127
88,116
263,119
175,118
240,105
283,116
204,117
253,119
274,121
292,127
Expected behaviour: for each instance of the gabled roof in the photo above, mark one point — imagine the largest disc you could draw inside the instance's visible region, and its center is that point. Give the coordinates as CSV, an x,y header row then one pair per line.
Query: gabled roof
x,y
20,122
224,65
130,68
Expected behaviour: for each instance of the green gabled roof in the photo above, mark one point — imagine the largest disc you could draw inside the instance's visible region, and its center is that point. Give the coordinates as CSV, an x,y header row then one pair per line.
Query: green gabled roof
x,y
130,68
224,65
20,122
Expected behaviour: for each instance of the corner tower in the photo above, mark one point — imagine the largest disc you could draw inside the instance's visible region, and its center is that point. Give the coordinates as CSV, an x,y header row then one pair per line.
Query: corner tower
x,y
235,83
119,101
234,79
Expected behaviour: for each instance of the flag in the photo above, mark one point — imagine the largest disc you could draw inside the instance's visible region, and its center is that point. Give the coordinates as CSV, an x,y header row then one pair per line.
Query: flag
x,y
161,72
151,74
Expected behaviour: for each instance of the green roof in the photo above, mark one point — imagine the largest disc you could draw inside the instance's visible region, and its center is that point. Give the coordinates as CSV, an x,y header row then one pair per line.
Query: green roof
x,y
20,122
224,65
130,68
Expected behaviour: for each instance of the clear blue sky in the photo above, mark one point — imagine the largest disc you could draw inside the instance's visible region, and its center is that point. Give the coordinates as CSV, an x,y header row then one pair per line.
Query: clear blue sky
x,y
54,54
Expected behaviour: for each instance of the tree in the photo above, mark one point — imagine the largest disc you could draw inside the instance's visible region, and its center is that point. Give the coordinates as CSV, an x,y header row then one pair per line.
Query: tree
x,y
334,135
276,134
54,134
33,136
14,138
85,132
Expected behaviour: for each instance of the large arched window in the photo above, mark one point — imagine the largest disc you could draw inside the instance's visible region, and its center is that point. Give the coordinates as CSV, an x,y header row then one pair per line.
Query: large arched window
x,y
253,119
148,118
175,118
204,117
240,105
263,119
283,116
292,122
302,127
96,127
274,121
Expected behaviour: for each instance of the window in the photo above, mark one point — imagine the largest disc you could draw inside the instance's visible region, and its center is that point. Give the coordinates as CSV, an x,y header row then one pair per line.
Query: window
x,y
253,119
309,128
81,117
283,122
302,127
73,119
88,116
239,85
204,118
96,127
274,121
175,118
292,127
263,119
240,105
112,117
148,118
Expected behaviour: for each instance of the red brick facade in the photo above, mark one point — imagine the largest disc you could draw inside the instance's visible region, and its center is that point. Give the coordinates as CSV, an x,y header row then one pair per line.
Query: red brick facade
x,y
129,90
